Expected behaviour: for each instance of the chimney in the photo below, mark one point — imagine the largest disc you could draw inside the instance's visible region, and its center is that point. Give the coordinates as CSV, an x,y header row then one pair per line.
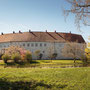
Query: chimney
x,y
55,31
46,30
29,30
2,33
20,31
13,31
70,31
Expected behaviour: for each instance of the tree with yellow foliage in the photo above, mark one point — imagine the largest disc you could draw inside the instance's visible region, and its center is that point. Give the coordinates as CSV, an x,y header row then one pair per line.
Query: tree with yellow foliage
x,y
87,50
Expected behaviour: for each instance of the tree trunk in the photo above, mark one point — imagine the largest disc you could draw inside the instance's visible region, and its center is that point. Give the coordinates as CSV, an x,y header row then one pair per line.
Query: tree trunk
x,y
85,62
74,61
51,59
5,61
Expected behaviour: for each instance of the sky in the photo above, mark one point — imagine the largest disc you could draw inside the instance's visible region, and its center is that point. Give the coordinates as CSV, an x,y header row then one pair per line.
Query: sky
x,y
37,15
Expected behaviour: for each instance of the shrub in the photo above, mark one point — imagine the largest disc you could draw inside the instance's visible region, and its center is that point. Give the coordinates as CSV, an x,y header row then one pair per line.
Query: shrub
x,y
54,55
28,56
87,50
37,53
5,57
40,56
1,56
16,57
84,61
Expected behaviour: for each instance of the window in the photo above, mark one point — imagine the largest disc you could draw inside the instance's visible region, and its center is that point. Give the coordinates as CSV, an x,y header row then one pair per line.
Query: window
x,y
23,44
45,44
40,45
32,44
43,51
36,44
28,44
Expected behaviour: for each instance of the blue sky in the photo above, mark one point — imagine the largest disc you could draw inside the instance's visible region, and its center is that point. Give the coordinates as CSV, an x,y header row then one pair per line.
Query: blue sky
x,y
37,15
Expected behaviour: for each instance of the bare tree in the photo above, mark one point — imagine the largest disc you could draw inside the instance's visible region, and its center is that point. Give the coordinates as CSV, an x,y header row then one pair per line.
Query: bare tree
x,y
37,53
81,9
74,50
51,52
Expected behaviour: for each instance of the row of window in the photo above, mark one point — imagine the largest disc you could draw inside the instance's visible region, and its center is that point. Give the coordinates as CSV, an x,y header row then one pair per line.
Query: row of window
x,y
32,45
28,45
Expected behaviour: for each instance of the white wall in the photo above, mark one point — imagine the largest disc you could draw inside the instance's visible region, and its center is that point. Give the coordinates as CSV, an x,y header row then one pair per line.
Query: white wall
x,y
55,48
50,47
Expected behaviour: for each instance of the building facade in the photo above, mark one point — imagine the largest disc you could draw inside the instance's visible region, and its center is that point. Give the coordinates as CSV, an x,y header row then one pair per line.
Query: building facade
x,y
45,42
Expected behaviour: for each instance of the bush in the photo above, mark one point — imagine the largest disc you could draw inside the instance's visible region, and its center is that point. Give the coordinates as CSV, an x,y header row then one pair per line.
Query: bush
x,y
5,57
16,57
54,55
1,56
37,53
87,50
28,56
40,56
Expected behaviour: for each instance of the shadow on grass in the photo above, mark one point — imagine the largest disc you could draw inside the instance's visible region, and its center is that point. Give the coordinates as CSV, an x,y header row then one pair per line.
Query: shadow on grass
x,y
21,85
34,62
21,64
11,63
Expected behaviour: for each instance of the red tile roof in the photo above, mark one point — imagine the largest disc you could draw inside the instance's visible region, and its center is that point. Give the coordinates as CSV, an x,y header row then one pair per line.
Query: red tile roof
x,y
41,37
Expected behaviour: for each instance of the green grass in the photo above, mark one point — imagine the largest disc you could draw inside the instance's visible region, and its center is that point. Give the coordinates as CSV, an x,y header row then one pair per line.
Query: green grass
x,y
58,61
45,63
45,78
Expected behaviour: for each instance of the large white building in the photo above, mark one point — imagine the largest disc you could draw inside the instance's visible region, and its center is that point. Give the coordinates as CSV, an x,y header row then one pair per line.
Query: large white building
x,y
45,42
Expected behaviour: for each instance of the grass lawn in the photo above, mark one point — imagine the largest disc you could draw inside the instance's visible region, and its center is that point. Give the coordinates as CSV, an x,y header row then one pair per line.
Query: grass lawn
x,y
45,78
46,63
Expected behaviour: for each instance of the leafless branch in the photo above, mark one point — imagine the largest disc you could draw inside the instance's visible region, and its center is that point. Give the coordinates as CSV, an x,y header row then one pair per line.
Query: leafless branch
x,y
81,9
